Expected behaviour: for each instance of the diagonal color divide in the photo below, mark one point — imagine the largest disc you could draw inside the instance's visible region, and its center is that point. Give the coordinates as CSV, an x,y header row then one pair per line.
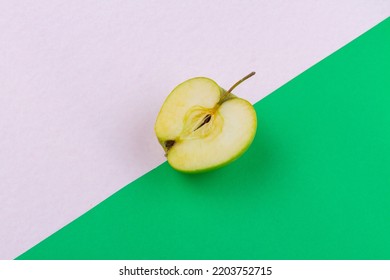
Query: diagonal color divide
x,y
314,185
75,78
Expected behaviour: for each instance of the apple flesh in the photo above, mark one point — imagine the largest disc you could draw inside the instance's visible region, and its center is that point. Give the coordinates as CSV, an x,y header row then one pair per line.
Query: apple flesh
x,y
202,127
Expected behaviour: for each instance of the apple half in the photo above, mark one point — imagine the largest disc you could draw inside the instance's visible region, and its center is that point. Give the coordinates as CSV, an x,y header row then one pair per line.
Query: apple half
x,y
202,127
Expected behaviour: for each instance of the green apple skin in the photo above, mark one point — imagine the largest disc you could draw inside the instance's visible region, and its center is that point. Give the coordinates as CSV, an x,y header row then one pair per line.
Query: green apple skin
x,y
199,145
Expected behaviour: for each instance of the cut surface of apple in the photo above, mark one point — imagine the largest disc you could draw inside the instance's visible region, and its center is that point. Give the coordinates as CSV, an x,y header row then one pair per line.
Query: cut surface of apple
x,y
202,127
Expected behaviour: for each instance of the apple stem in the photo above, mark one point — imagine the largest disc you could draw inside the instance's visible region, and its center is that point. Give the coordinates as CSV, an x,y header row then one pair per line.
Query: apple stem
x,y
226,95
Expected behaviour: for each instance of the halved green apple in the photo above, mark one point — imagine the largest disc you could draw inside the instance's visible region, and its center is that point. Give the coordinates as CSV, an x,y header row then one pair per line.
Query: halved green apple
x,y
202,127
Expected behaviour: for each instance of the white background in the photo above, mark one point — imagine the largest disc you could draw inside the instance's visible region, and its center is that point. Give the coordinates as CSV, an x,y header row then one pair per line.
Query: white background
x,y
281,270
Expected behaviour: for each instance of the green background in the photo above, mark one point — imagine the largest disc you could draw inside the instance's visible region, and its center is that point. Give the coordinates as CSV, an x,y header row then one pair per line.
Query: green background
x,y
315,184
